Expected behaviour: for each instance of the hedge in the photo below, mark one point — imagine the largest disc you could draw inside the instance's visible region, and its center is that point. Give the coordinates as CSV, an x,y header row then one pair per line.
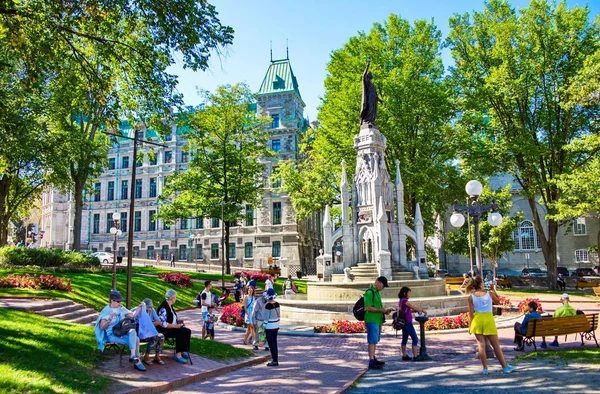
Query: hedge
x,y
45,258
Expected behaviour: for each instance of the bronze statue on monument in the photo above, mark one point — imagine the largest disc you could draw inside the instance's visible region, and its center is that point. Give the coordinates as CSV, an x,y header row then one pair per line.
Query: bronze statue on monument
x,y
370,98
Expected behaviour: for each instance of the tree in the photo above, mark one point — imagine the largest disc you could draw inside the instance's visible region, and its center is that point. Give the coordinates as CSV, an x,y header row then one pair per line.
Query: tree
x,y
415,118
515,74
495,241
102,61
227,142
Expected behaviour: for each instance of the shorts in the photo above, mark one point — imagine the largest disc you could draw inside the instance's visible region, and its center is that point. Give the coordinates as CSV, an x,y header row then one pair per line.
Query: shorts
x,y
204,316
373,333
210,332
483,323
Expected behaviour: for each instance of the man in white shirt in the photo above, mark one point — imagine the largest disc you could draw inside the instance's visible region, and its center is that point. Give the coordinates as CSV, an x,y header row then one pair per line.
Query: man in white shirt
x,y
205,302
269,283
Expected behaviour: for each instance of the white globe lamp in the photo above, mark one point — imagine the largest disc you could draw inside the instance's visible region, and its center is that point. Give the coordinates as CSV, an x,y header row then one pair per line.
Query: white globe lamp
x,y
119,232
457,219
495,219
474,188
113,230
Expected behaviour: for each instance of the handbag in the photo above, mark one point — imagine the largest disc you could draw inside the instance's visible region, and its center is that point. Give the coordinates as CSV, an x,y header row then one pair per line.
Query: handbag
x,y
122,328
399,319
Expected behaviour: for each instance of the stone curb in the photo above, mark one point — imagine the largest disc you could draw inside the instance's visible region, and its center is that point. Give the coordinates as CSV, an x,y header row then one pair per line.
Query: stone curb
x,y
191,379
352,381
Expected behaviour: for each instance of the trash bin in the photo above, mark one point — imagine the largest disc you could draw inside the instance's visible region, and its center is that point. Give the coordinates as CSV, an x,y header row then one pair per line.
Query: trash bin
x,y
119,259
299,274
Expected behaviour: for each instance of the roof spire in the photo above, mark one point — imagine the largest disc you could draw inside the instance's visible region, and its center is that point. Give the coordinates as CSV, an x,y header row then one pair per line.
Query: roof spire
x,y
287,51
271,44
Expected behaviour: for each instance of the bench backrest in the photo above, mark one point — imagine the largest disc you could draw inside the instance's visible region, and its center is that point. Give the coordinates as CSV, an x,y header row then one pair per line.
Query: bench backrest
x,y
551,326
454,280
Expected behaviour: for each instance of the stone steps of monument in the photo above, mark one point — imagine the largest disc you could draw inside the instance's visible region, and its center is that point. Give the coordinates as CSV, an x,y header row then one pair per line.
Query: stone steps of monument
x,y
402,276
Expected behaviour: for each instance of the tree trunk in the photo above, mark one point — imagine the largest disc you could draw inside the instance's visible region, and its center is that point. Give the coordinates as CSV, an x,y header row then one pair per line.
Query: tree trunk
x,y
4,190
78,194
548,243
226,251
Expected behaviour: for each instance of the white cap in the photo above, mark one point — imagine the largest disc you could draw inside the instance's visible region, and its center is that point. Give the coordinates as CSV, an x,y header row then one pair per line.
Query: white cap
x,y
565,296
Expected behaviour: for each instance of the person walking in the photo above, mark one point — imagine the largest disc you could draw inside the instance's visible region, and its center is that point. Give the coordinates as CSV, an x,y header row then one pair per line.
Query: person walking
x,y
258,317
172,260
409,329
248,305
272,316
289,288
482,323
374,318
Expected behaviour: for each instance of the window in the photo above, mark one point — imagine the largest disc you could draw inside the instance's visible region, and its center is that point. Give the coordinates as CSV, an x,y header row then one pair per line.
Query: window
x,y
183,224
109,222
152,159
199,255
121,251
97,189
169,137
137,221
582,256
124,190
151,221
182,252
525,237
125,162
276,145
215,223
152,193
232,250
276,181
214,251
111,191
185,157
579,227
164,253
276,251
166,226
111,163
248,250
138,188
151,255
276,213
96,228
275,122
123,222
249,215
200,222
168,156
136,251
138,163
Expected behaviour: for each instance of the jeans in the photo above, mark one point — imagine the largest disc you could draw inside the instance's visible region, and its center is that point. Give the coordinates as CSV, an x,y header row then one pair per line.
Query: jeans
x,y
518,339
272,341
409,330
131,340
156,341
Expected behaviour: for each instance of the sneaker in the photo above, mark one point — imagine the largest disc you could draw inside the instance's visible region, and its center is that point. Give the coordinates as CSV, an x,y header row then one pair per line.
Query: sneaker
x,y
543,345
255,347
406,358
554,343
508,369
379,362
273,364
266,348
417,358
485,372
373,365
180,360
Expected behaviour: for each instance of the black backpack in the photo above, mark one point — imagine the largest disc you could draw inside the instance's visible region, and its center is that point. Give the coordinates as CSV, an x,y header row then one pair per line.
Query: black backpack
x,y
359,307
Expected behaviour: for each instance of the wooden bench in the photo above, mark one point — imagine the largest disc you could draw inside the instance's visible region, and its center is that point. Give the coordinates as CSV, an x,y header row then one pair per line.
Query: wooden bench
x,y
596,291
583,284
458,280
584,325
117,348
504,283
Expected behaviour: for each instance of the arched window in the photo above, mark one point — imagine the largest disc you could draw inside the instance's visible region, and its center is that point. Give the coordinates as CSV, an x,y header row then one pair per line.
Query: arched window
x,y
525,237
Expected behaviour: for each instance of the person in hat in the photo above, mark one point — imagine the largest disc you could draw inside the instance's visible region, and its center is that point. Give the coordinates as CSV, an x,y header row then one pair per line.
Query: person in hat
x,y
272,315
374,318
564,310
237,290
110,316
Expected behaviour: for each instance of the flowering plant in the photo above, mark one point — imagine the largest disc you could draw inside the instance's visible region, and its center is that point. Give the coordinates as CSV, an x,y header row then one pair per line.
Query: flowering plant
x,y
523,305
45,282
257,276
504,301
232,314
177,279
447,322
342,327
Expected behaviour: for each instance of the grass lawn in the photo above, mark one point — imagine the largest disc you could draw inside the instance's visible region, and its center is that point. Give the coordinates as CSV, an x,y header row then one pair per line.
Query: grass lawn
x,y
585,355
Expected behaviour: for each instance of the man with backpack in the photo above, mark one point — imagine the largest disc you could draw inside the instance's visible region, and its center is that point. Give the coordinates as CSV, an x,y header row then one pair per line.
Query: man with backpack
x,y
374,318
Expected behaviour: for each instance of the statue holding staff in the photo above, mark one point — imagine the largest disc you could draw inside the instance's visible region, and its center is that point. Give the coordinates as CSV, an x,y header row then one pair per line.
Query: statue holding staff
x,y
368,111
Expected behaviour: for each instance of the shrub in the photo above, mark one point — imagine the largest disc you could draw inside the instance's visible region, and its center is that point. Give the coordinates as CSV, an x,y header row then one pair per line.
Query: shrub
x,y
523,305
447,322
45,258
257,276
45,282
342,327
232,314
177,279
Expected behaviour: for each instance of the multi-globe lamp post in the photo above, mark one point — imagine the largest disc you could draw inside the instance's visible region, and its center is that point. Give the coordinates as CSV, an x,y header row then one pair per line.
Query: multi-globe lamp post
x,y
474,189
116,232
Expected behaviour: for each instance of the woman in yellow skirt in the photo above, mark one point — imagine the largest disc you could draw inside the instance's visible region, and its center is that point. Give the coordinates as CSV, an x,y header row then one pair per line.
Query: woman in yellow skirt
x,y
482,323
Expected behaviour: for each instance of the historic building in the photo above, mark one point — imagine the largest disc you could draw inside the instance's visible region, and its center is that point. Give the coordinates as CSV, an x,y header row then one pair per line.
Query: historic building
x,y
269,232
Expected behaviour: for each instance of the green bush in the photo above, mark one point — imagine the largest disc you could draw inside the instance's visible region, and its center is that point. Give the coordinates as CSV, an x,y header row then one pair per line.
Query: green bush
x,y
45,258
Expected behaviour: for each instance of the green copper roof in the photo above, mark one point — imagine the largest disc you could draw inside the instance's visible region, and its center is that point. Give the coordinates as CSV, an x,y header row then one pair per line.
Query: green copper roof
x,y
279,79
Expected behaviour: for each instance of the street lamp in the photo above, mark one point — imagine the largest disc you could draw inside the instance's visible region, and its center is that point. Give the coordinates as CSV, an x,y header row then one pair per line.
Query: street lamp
x,y
116,232
474,189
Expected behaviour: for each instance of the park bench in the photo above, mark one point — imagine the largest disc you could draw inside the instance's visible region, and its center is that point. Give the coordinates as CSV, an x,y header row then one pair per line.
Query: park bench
x,y
455,280
596,291
118,348
581,284
504,283
584,325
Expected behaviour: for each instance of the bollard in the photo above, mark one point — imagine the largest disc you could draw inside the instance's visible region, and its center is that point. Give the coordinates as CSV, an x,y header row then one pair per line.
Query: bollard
x,y
423,356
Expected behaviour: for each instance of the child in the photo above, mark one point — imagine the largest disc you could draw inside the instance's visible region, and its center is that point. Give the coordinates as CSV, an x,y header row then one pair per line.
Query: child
x,y
209,322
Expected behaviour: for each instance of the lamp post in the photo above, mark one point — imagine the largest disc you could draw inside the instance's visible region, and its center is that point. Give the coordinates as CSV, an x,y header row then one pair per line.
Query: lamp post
x,y
116,232
474,189
197,239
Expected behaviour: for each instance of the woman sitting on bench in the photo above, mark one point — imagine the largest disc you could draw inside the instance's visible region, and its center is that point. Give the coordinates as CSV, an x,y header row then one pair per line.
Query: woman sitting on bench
x,y
112,314
173,328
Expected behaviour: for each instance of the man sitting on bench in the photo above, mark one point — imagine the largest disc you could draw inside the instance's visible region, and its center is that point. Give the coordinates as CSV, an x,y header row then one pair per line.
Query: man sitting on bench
x,y
521,328
564,310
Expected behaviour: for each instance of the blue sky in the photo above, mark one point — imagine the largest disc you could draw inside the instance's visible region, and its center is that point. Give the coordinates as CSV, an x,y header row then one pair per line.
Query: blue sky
x,y
313,29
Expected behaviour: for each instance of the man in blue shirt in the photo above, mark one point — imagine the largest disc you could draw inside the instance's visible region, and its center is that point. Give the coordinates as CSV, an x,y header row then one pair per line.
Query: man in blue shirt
x,y
521,328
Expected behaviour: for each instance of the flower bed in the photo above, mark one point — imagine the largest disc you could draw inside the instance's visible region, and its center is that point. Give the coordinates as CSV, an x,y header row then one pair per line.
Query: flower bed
x,y
504,301
45,282
257,276
523,305
177,279
342,327
232,314
447,322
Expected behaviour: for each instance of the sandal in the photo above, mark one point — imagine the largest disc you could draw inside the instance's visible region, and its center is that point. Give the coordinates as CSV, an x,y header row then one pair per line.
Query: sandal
x,y
147,360
139,366
159,361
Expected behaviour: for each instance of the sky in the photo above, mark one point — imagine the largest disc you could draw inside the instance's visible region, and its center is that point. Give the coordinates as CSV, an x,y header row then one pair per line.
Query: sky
x,y
313,29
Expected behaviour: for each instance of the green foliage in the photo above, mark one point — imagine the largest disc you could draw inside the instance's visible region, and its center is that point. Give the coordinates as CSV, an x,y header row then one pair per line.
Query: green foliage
x,y
45,258
415,119
518,75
